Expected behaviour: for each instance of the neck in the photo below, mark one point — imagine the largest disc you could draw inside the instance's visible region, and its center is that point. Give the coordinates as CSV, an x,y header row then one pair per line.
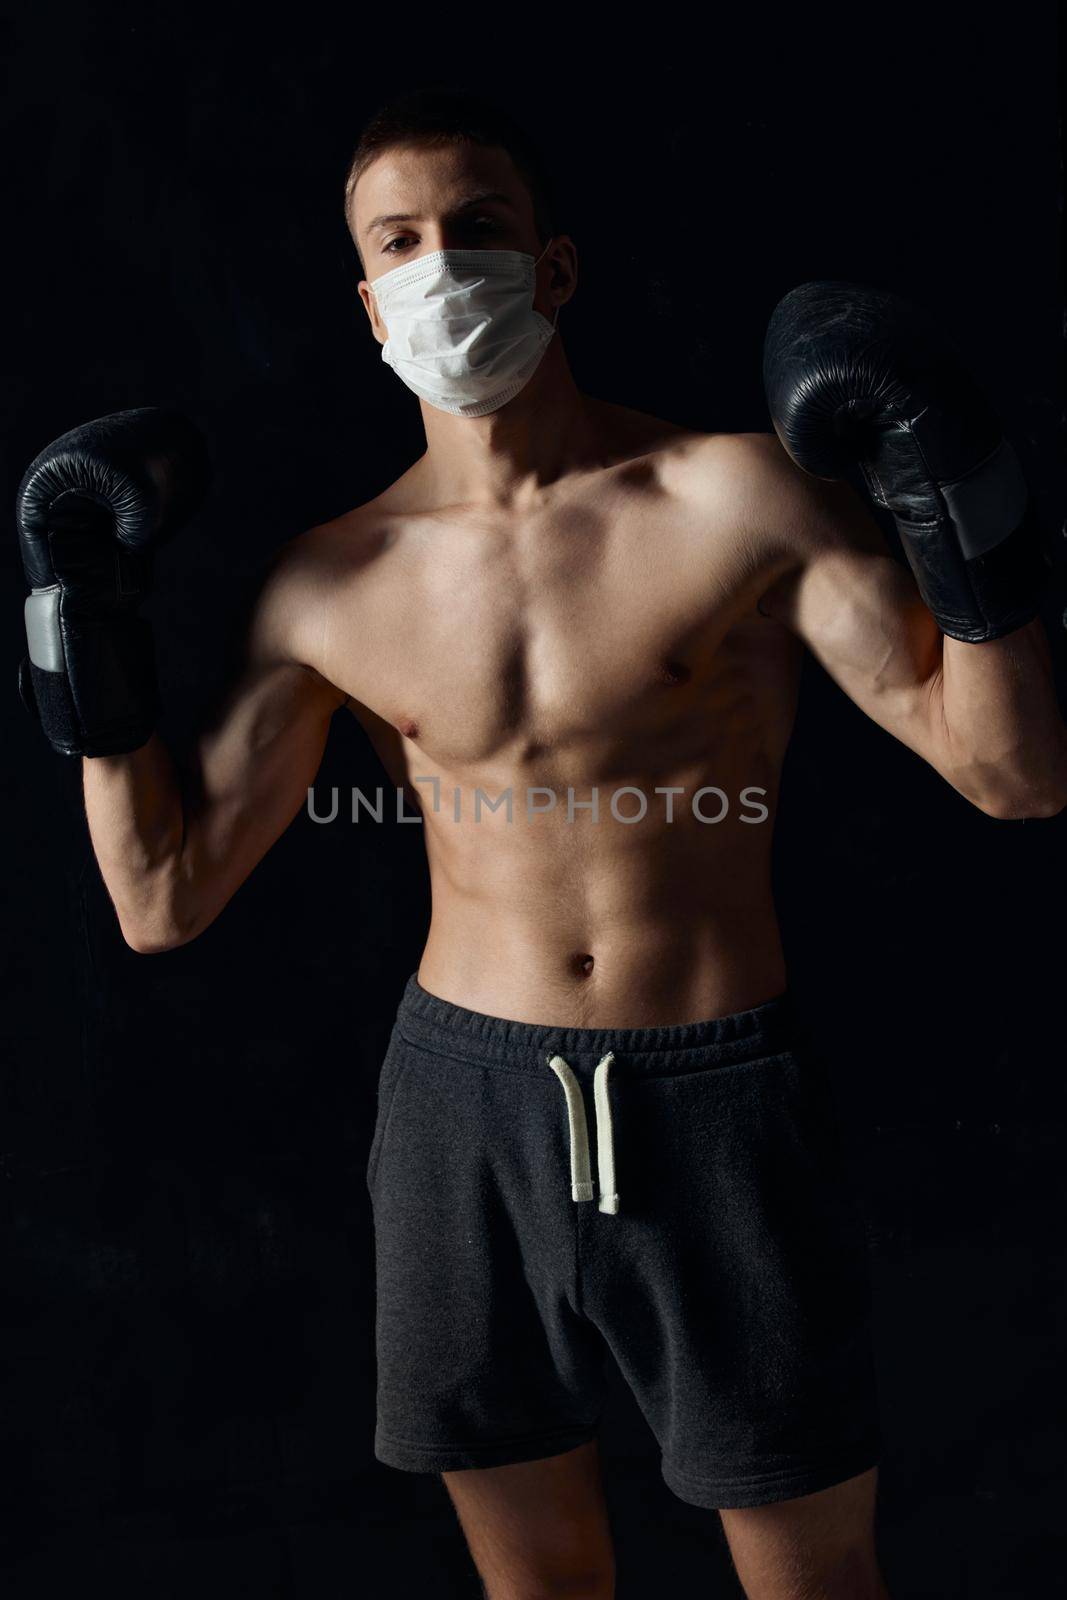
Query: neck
x,y
507,459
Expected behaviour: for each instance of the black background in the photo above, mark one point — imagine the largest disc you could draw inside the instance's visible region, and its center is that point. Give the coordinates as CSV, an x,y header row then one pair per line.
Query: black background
x,y
187,1274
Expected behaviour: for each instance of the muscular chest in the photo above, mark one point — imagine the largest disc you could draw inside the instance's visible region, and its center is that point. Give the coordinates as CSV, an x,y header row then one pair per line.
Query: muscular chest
x,y
604,623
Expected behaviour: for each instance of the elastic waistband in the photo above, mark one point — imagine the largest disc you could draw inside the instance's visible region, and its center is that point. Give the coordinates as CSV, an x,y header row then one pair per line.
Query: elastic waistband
x,y
423,1019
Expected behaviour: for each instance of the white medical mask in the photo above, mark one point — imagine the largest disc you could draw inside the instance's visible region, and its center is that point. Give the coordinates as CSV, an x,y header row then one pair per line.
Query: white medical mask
x,y
462,331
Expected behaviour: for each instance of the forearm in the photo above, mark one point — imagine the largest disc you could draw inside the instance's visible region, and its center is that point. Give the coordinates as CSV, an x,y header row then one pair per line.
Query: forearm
x,y
136,819
1005,740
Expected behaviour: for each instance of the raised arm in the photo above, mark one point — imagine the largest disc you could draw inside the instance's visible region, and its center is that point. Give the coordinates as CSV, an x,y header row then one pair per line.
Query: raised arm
x,y
984,715
951,659
91,510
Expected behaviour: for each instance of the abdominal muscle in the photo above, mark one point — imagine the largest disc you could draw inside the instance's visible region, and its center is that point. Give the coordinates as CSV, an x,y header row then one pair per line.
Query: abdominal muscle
x,y
601,925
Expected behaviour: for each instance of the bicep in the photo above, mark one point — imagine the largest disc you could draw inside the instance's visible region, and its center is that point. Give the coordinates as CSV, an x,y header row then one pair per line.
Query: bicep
x,y
259,755
252,771
859,613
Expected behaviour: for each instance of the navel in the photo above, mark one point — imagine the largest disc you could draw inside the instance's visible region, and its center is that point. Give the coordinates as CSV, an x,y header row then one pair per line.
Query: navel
x,y
582,963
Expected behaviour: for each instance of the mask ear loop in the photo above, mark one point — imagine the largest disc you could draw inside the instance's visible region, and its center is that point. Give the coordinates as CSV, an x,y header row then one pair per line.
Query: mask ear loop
x,y
537,263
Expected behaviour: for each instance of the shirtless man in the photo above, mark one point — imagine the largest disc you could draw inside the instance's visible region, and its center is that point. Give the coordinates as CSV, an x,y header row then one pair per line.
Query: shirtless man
x,y
563,595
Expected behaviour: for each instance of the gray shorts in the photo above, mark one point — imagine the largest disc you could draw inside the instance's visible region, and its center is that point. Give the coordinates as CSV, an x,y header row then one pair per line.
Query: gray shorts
x,y
674,1196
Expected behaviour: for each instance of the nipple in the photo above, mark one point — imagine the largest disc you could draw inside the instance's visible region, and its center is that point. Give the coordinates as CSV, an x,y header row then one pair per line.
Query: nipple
x,y
672,672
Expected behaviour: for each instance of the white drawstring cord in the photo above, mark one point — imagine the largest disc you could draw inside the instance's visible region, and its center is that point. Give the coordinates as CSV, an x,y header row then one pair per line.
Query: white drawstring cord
x,y
605,1144
581,1177
581,1180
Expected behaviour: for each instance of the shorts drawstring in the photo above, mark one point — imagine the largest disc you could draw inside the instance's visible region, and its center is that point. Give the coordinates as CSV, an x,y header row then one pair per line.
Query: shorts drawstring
x,y
581,1178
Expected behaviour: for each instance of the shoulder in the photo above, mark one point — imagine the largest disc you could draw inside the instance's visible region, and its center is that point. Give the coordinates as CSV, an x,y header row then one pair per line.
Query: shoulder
x,y
790,524
716,467
732,463
795,513
299,580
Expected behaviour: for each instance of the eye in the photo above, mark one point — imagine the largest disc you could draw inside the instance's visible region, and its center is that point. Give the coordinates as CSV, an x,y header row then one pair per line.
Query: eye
x,y
482,224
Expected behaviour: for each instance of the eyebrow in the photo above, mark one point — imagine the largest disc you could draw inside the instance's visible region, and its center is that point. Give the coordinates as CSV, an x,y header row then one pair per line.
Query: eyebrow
x,y
488,198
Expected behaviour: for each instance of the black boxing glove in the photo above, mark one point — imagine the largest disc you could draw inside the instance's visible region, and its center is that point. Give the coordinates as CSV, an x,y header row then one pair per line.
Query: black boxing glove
x,y
91,508
858,376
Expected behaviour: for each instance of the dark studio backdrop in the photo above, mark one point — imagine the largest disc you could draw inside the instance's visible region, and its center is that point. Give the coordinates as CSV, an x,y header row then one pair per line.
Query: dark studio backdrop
x,y
187,1269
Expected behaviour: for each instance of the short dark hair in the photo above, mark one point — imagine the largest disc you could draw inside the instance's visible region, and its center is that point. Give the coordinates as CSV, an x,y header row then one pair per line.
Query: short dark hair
x,y
440,114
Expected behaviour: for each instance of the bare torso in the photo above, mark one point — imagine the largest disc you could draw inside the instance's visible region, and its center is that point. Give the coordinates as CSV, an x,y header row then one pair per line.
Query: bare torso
x,y
609,641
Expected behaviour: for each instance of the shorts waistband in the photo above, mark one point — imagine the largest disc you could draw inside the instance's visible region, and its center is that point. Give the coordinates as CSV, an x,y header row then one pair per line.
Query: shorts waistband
x,y
425,1019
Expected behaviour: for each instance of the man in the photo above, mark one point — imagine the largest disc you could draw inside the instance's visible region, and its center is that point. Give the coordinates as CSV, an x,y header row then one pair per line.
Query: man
x,y
574,631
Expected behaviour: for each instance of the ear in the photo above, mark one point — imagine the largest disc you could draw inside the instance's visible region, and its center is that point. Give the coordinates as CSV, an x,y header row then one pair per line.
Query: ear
x,y
563,274
370,305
